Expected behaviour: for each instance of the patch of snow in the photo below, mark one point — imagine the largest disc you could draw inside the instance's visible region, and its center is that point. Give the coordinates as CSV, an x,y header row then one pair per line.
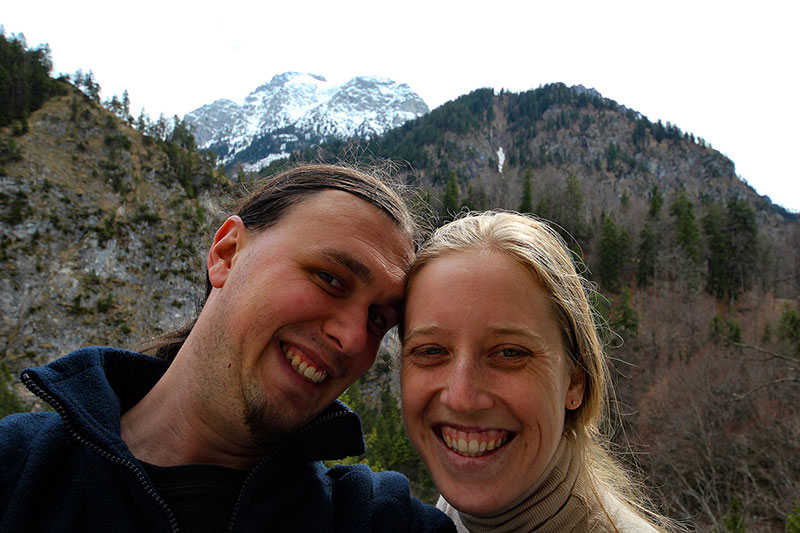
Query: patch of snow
x,y
501,158
261,163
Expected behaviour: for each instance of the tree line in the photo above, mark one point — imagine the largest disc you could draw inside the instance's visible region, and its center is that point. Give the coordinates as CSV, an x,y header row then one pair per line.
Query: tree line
x,y
25,82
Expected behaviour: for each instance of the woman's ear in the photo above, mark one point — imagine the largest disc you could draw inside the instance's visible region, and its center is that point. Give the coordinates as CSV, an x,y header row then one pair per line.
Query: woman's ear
x,y
577,383
227,244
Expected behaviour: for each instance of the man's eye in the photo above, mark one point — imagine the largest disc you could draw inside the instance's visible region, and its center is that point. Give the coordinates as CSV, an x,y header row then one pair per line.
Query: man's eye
x,y
330,279
377,319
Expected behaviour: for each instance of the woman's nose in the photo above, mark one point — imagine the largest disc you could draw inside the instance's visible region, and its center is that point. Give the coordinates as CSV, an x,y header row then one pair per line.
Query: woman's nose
x,y
466,390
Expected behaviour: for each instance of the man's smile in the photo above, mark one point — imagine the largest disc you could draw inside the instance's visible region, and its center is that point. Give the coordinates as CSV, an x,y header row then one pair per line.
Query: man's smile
x,y
303,366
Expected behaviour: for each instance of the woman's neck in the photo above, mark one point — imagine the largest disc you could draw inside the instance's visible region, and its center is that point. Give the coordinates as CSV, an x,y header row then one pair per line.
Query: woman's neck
x,y
556,502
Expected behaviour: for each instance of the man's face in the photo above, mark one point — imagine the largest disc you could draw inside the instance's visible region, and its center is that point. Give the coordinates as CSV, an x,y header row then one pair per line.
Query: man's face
x,y
300,310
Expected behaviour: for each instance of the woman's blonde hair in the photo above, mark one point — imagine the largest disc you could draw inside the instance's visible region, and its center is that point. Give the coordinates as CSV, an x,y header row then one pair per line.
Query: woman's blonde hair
x,y
535,244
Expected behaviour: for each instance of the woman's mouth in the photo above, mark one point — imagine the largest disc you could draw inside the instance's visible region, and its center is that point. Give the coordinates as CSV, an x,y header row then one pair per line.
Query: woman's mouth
x,y
474,443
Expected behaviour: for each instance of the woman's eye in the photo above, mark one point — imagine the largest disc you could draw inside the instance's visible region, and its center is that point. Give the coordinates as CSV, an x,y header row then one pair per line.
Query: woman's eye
x,y
510,352
428,350
330,279
425,355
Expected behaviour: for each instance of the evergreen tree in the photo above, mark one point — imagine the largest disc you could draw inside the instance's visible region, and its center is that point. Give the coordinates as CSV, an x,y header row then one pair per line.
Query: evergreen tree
x,y
656,201
687,234
574,221
625,201
658,131
614,249
625,322
718,281
742,235
87,84
390,448
646,256
734,521
526,203
732,248
789,330
158,129
475,199
793,519
181,134
9,401
450,201
114,105
640,133
612,153
126,107
25,81
143,123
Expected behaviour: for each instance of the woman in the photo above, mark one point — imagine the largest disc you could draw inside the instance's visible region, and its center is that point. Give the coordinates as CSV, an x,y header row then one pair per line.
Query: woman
x,y
504,382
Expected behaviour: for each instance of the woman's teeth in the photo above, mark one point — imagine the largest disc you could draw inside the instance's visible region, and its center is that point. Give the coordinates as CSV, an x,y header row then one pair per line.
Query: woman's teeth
x,y
303,368
473,444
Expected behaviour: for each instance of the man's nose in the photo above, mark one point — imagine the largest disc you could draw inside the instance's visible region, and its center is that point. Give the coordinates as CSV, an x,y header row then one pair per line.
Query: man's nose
x,y
347,328
466,389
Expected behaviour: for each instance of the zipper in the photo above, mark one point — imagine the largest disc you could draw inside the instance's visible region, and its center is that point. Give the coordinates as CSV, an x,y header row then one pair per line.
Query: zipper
x,y
29,382
317,421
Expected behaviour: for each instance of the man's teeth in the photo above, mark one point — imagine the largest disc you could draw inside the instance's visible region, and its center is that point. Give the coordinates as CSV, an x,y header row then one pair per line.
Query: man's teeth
x,y
474,444
304,369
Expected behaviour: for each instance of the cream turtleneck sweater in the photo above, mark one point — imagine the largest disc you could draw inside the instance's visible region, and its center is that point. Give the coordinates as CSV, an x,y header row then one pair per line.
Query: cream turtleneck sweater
x,y
557,502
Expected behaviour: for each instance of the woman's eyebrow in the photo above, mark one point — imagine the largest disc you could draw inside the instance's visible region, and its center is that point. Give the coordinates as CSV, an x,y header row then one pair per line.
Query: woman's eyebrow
x,y
422,330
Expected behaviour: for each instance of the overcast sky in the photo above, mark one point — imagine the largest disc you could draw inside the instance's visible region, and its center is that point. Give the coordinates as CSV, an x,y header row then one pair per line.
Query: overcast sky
x,y
725,71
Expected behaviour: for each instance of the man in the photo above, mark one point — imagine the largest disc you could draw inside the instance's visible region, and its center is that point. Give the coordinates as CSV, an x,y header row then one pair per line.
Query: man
x,y
226,431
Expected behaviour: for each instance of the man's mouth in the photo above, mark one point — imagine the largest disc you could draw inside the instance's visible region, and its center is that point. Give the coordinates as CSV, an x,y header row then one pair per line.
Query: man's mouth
x,y
302,366
474,443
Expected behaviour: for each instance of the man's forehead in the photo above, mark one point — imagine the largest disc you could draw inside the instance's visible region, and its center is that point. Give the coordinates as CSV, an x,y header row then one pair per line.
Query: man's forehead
x,y
333,206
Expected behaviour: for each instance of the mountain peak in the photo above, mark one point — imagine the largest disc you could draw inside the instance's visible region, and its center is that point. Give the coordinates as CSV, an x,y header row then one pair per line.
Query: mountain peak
x,y
296,109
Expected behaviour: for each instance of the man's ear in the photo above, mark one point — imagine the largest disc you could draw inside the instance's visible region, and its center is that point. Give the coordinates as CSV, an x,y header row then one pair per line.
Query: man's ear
x,y
227,244
577,383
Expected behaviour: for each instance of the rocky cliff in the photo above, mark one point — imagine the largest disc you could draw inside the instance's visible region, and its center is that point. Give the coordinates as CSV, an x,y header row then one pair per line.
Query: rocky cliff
x,y
101,232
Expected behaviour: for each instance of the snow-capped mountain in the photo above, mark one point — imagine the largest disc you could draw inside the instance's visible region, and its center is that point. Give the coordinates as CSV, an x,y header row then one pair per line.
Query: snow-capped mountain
x,y
295,110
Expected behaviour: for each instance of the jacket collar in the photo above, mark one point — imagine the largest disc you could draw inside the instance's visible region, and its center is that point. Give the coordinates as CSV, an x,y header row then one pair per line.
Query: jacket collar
x,y
90,388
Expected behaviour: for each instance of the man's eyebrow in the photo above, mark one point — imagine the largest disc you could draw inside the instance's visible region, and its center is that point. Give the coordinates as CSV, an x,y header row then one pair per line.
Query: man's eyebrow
x,y
359,269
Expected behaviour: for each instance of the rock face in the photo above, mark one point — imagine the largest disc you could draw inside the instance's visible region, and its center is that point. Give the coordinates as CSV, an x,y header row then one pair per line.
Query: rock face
x,y
100,235
296,110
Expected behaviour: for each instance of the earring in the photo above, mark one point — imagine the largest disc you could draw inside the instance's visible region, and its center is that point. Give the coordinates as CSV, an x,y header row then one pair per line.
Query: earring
x,y
574,402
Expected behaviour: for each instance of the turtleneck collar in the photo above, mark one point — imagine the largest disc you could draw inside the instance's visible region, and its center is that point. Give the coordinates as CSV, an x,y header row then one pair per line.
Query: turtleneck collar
x,y
556,502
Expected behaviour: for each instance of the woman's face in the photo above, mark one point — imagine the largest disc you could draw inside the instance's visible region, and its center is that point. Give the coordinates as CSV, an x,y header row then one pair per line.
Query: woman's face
x,y
485,378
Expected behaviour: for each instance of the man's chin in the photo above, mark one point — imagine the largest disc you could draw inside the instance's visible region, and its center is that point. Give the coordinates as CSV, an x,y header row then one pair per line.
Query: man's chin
x,y
269,425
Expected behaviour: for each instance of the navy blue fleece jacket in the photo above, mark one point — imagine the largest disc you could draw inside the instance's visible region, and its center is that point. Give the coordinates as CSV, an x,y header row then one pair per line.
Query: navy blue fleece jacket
x,y
70,470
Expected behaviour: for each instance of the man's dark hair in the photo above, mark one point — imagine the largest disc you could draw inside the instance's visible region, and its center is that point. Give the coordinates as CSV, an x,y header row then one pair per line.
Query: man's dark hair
x,y
271,201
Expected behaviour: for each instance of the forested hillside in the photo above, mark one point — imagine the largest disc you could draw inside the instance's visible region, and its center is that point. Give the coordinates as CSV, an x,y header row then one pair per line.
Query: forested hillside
x,y
698,278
